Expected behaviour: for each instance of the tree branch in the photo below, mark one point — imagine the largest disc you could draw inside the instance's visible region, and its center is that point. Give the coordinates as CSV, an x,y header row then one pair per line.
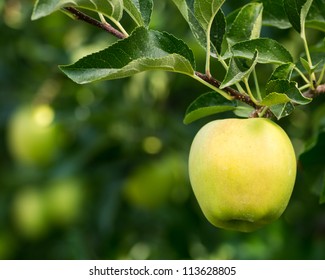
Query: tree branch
x,y
103,25
312,93
232,92
238,96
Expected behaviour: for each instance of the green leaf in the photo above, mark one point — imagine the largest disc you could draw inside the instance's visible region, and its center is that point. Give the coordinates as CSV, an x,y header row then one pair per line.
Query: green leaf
x,y
186,7
288,88
317,53
305,64
282,72
274,98
282,110
208,104
269,51
293,10
274,14
316,24
218,30
280,94
316,16
297,11
247,24
243,110
139,10
238,70
143,50
304,12
205,11
113,9
183,8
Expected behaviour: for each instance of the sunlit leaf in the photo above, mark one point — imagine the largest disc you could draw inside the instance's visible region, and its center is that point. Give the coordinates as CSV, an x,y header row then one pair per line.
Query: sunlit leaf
x,y
269,51
247,24
274,98
288,88
143,50
208,104
139,10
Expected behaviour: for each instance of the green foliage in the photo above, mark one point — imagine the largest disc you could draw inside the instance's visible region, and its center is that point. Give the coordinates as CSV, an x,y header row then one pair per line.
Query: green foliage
x,y
143,50
234,40
246,25
269,51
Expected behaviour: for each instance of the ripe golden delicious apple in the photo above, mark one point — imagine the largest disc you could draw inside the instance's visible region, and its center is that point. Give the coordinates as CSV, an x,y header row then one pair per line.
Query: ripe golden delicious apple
x,y
242,172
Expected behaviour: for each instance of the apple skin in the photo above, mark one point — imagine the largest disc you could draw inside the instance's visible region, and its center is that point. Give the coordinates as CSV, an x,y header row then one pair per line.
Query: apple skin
x,y
242,172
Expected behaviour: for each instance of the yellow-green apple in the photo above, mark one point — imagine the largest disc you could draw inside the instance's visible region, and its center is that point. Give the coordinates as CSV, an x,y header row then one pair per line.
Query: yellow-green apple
x,y
152,185
64,200
28,212
33,137
242,172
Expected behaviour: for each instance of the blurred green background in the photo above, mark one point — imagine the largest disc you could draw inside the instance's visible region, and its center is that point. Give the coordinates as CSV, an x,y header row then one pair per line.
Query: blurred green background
x,y
100,172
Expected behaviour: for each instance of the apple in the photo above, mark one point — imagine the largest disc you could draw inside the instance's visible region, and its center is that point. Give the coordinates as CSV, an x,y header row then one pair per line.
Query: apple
x,y
33,137
64,199
150,186
242,172
28,213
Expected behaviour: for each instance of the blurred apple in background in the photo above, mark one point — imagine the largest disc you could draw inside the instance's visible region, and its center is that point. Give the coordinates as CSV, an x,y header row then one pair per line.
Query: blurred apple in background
x,y
28,212
33,136
152,185
64,199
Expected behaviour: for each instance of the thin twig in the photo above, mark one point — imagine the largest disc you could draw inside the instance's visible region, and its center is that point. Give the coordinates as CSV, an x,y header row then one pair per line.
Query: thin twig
x,y
232,92
103,25
238,96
